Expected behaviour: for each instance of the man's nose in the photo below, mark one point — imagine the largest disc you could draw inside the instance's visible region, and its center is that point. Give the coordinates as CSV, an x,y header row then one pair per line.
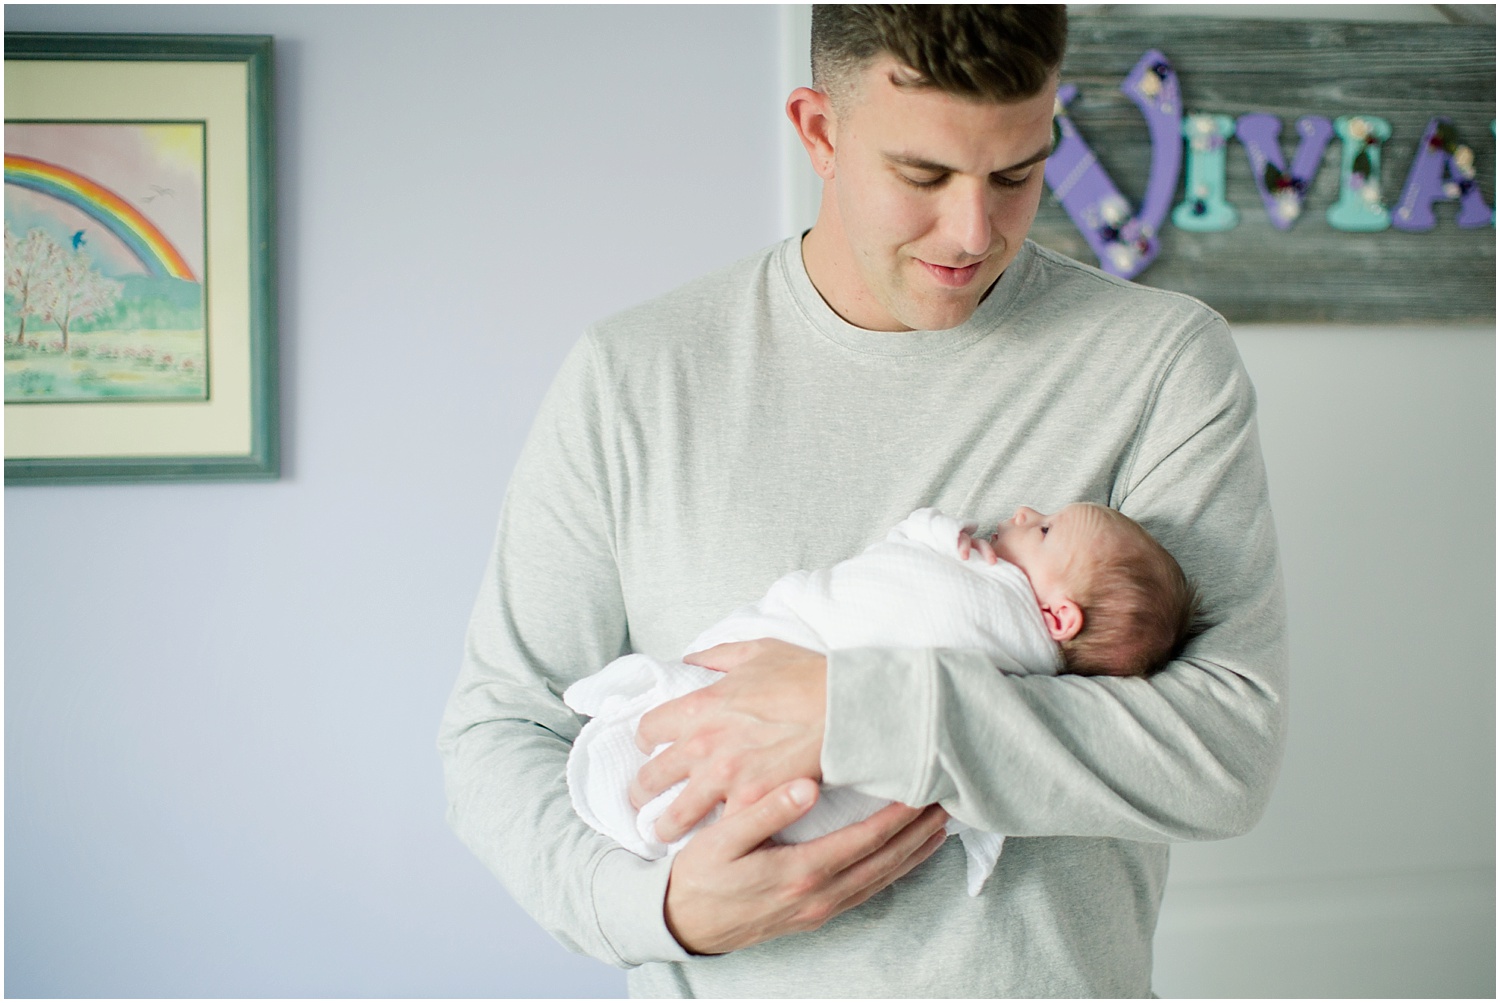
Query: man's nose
x,y
968,219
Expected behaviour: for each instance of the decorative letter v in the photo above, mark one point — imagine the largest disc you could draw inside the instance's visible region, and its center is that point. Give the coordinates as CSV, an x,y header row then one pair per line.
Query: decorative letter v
x,y
1124,243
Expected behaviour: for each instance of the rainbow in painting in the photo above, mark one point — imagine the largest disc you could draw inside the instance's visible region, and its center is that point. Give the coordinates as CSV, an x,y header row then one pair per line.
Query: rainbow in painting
x,y
105,252
149,245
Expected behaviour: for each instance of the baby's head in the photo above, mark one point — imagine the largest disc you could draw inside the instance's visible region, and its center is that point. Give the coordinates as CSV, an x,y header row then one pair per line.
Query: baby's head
x,y
1113,597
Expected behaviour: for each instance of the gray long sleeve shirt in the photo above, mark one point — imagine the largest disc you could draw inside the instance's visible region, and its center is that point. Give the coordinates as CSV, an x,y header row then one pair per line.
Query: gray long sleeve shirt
x,y
694,449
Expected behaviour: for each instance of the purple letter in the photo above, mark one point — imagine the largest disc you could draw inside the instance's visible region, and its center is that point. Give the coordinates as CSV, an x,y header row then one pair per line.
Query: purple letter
x,y
1124,243
1442,169
1283,192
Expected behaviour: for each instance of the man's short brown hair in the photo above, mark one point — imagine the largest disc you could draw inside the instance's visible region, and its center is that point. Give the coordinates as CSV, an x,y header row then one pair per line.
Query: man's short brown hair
x,y
1139,609
989,52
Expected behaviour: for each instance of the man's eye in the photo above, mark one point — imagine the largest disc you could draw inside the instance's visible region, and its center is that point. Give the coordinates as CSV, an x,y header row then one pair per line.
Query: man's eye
x,y
924,182
1005,182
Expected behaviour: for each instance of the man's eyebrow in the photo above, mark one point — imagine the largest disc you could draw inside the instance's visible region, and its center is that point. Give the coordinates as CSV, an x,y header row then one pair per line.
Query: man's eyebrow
x,y
923,164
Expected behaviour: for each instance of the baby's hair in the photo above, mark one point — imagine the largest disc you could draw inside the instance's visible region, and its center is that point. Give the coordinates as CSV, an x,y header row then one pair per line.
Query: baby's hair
x,y
1139,609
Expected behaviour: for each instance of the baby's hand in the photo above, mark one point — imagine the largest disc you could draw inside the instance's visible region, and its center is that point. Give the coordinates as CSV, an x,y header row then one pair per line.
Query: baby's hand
x,y
967,543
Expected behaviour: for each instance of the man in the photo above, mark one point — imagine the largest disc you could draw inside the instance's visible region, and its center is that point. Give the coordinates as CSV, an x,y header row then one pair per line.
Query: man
x,y
911,349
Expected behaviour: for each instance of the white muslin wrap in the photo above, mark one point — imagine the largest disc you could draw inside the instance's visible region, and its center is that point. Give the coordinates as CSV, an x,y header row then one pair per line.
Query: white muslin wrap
x,y
910,590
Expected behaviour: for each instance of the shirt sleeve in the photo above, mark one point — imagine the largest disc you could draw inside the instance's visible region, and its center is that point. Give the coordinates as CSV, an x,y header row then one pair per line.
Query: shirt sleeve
x,y
549,612
1190,753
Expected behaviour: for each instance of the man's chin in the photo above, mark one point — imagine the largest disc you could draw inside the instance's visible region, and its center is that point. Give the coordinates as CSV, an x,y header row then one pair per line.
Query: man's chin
x,y
939,316
937,309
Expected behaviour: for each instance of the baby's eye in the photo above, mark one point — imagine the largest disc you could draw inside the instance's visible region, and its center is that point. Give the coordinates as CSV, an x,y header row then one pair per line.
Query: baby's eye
x,y
1044,530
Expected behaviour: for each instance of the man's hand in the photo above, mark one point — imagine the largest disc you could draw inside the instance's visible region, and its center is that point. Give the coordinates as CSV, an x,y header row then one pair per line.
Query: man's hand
x,y
729,888
757,728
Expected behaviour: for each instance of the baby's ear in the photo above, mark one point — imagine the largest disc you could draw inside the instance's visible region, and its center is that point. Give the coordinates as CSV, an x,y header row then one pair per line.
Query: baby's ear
x,y
1064,619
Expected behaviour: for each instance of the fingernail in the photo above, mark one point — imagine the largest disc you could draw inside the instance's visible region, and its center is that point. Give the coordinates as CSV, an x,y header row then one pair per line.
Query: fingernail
x,y
801,792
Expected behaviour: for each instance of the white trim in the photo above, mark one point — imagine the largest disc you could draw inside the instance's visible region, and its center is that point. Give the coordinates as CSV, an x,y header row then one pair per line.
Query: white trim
x,y
801,189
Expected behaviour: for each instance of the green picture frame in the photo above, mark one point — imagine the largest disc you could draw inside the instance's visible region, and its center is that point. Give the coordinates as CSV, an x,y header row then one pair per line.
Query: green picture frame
x,y
223,85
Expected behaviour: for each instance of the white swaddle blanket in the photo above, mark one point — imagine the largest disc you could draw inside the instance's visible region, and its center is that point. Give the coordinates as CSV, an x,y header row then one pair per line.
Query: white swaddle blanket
x,y
908,591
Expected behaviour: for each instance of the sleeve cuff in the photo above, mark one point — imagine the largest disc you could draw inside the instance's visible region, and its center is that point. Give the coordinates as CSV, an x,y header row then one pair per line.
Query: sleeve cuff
x,y
629,895
877,735
933,528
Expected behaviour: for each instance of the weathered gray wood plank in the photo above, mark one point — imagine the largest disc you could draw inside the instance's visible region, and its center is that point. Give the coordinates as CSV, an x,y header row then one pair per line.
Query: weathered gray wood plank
x,y
1404,73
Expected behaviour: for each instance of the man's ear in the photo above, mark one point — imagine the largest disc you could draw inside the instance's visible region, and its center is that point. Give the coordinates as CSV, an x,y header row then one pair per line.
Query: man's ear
x,y
811,113
1064,619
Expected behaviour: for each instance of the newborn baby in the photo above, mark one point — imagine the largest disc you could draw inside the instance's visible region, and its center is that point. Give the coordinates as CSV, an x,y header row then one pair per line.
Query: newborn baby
x,y
1085,590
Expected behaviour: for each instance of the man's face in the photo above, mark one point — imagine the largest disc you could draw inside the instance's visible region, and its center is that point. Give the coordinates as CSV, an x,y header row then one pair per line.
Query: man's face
x,y
934,196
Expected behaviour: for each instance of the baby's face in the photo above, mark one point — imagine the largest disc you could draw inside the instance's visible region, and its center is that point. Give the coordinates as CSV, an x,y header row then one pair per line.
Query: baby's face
x,y
1053,549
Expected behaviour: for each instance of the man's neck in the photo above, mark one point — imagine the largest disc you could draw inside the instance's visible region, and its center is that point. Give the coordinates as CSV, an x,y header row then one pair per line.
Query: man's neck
x,y
826,256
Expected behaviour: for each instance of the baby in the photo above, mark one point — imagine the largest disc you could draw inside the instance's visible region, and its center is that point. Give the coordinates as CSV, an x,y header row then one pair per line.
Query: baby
x,y
1112,597
1085,590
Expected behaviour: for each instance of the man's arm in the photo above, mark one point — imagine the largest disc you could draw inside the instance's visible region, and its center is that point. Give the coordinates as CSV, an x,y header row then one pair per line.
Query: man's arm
x,y
1192,752
1189,754
550,611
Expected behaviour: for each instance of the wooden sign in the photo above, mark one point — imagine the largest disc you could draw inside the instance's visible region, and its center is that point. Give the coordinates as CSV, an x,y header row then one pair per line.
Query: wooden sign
x,y
1281,170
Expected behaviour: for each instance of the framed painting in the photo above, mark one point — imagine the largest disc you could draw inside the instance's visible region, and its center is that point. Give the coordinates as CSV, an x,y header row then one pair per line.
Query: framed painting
x,y
140,305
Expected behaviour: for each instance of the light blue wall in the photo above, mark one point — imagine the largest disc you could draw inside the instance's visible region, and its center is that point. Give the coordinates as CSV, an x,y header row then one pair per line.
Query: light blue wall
x,y
221,700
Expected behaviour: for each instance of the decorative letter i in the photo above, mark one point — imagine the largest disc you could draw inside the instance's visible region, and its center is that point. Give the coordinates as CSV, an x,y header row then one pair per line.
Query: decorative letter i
x,y
1359,209
1204,209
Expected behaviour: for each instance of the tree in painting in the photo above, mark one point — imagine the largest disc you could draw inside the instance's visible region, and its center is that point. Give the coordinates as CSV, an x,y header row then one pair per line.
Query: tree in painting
x,y
31,267
78,291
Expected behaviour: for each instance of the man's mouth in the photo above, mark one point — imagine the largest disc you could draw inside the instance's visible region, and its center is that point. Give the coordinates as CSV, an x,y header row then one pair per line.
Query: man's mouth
x,y
955,278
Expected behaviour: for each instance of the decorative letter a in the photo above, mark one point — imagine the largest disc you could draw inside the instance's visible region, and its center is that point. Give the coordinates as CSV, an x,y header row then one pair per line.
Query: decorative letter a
x,y
1442,169
1125,243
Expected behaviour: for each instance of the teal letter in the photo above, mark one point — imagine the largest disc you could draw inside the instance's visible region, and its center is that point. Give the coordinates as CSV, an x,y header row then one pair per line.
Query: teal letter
x,y
1359,209
1203,208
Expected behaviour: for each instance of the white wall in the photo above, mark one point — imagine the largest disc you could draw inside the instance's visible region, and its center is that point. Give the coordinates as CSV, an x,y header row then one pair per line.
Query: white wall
x,y
221,699
1372,873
